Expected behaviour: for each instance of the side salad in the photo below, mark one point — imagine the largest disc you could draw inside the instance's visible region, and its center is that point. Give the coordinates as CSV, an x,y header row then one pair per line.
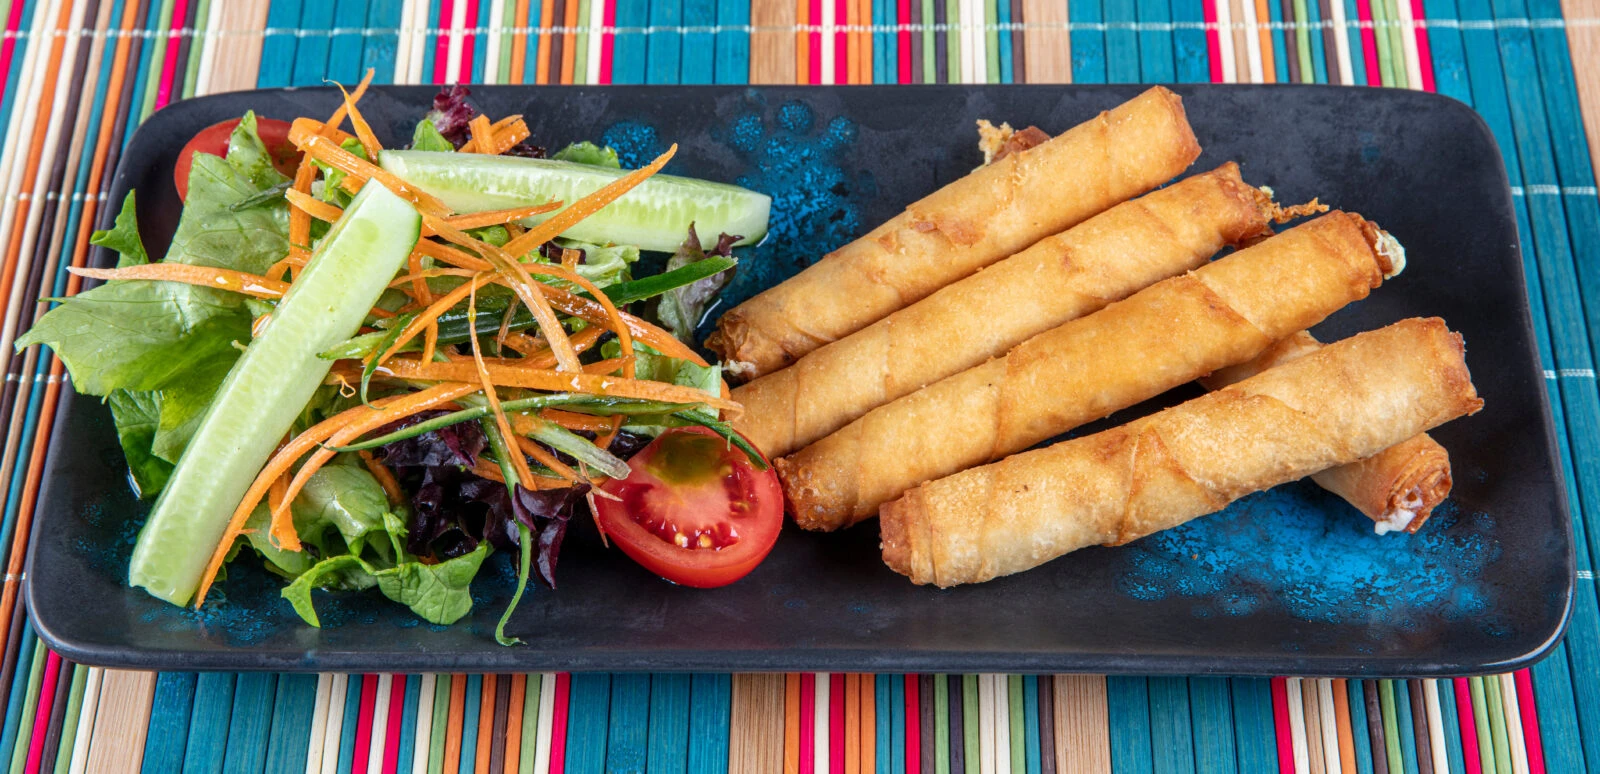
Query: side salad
x,y
370,368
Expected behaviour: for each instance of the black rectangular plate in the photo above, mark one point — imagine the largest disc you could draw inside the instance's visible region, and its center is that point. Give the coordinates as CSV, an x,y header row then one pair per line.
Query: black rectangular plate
x,y
1290,581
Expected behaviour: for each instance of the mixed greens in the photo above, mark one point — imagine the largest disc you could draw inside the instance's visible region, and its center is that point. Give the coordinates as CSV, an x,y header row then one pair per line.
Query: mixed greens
x,y
375,373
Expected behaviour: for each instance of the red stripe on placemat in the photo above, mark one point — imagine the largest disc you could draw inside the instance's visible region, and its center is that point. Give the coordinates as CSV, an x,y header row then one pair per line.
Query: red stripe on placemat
x,y
814,44
1280,721
558,725
1369,43
1530,720
391,740
469,42
1424,53
608,40
808,714
841,42
169,68
914,725
1468,723
369,695
441,42
903,36
836,723
1213,42
41,717
7,48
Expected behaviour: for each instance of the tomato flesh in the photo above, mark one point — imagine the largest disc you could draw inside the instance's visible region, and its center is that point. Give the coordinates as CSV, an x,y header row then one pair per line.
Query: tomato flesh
x,y
214,140
693,510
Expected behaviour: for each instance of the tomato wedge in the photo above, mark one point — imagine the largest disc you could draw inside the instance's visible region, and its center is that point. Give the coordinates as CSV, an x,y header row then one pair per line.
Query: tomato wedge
x,y
214,140
693,510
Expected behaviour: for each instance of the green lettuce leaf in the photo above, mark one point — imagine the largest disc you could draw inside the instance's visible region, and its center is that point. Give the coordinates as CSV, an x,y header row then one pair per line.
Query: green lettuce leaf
x,y
426,137
184,401
248,154
438,593
588,153
680,309
124,236
347,572
137,415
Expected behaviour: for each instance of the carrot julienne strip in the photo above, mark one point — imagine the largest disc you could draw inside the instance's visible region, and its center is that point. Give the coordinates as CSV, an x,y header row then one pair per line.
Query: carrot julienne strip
x,y
545,458
385,477
450,255
369,141
586,206
431,314
500,217
506,137
205,276
313,206
571,421
518,464
482,135
556,381
304,133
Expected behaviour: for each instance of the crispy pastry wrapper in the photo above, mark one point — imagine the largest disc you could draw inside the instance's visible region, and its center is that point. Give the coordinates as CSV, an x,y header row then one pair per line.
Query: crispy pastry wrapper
x,y
1333,407
1060,278
995,211
1397,488
1170,333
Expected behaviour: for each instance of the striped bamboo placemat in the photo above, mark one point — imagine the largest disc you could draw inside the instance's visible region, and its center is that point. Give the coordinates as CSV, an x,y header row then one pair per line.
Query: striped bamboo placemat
x,y
76,76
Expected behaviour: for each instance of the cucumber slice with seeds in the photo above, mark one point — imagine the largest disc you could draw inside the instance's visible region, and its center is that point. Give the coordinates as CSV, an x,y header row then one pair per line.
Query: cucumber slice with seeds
x,y
655,215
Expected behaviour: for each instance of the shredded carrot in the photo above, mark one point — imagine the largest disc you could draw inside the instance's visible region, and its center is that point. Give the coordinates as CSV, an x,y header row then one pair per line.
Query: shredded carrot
x,y
205,276
557,381
545,458
419,273
430,340
483,469
259,324
313,206
369,141
613,317
510,131
419,282
304,133
608,366
431,314
500,217
586,206
521,342
300,220
384,476
606,439
523,284
331,128
518,464
505,327
452,256
573,421
482,135
595,313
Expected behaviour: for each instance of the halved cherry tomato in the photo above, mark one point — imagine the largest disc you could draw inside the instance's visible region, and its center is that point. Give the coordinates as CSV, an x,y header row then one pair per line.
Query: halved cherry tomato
x,y
694,510
214,140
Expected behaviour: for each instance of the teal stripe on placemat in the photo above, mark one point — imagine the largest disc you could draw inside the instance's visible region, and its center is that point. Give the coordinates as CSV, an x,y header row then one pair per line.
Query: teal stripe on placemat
x,y
140,75
1358,60
1408,736
208,725
430,43
170,711
18,695
588,706
668,743
733,43
1319,58
380,50
19,57
1088,43
628,52
469,722
480,42
311,54
1444,41
347,732
885,732
1122,43
1253,728
1156,61
626,738
407,748
1171,730
897,722
1212,713
710,700
1358,726
251,723
697,53
1452,724
1128,710
1280,49
1030,708
344,46
530,62
1003,18
278,45
30,706
292,708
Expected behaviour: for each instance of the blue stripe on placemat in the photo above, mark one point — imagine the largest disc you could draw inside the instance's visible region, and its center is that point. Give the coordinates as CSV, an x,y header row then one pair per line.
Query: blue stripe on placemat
x,y
1319,58
19,56
1280,48
480,43
1358,727
347,732
1170,724
292,709
471,709
710,701
1030,706
1253,728
698,52
1358,60
208,725
663,49
278,45
530,61
1444,41
1122,43
628,723
733,43
170,711
1211,711
311,54
1088,42
1447,718
251,723
897,722
628,53
1128,710
668,742
408,718
588,706
429,43
885,733
380,50
1408,736
344,46
140,74
1156,61
1191,55
1003,37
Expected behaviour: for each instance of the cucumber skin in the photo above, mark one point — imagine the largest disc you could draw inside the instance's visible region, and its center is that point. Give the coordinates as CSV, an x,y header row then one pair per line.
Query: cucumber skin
x,y
714,208
267,389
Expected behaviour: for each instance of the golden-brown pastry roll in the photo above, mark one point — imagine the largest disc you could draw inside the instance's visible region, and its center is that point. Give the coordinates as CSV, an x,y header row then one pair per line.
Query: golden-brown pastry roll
x,y
1063,277
995,211
1397,488
1340,404
1172,332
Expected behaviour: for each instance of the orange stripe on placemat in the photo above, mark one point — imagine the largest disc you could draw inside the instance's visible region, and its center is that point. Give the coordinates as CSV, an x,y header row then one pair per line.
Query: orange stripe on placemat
x,y
569,41
452,737
514,710
791,723
519,45
1269,62
852,45
755,738
1347,742
547,19
852,724
869,723
486,700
